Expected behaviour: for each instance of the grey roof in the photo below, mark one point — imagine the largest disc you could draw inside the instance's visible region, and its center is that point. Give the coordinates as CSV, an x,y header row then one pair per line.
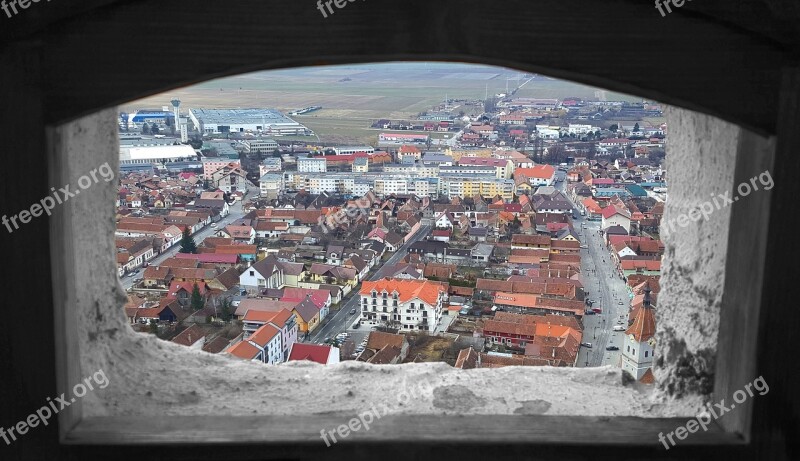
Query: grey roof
x,y
483,249
616,230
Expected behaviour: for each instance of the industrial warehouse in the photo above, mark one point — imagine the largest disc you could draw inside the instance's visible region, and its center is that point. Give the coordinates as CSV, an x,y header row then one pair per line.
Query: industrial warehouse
x,y
268,121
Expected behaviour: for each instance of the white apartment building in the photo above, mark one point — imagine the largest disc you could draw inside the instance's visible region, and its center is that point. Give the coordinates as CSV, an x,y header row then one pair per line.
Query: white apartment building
x,y
581,129
412,170
413,305
312,165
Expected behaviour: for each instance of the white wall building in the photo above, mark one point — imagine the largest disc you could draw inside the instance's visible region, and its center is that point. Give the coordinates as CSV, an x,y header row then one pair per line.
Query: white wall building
x,y
312,165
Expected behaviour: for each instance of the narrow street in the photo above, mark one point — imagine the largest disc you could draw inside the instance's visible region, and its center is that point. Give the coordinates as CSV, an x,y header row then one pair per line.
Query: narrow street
x,y
342,320
603,285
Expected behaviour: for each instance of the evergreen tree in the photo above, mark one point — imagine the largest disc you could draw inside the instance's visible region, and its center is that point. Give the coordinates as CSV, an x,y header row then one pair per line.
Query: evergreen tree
x,y
225,309
197,302
187,243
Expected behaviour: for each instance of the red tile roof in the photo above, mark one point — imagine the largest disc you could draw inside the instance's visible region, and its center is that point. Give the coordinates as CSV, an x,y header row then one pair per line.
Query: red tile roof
x,y
314,352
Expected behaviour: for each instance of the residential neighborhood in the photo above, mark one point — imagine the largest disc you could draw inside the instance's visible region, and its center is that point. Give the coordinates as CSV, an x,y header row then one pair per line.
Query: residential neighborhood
x,y
530,237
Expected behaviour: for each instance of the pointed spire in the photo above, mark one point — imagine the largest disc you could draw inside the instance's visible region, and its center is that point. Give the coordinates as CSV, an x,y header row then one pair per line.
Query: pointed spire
x,y
646,300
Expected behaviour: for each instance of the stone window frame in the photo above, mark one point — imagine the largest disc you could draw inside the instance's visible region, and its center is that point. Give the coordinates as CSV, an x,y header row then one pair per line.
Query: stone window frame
x,y
59,94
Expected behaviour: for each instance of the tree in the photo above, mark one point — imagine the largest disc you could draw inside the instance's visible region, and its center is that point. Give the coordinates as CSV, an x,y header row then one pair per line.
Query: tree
x,y
154,129
613,127
556,154
490,105
226,310
656,155
145,128
636,127
153,327
591,152
197,301
187,243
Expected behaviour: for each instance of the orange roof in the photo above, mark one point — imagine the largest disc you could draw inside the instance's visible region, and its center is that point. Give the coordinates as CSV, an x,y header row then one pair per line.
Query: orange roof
x,y
509,327
236,249
261,316
647,377
552,330
644,325
243,350
647,264
264,335
515,299
407,290
538,172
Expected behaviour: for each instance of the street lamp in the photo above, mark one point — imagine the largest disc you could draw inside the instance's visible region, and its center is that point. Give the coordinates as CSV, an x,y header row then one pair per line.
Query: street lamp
x,y
595,332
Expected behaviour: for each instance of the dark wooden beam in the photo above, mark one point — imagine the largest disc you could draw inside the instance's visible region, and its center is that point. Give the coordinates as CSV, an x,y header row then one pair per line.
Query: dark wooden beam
x,y
776,415
131,50
27,343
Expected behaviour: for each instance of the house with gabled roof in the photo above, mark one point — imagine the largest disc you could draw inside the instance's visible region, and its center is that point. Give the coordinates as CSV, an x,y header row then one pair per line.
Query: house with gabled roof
x,y
267,273
615,216
384,348
193,337
324,355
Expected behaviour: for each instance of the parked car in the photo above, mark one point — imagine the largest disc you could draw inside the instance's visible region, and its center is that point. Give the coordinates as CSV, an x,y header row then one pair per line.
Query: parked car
x,y
618,328
213,225
620,303
597,310
612,348
352,311
589,345
236,303
589,312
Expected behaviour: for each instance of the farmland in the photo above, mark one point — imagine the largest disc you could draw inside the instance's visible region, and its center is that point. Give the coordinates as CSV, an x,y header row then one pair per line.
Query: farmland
x,y
354,96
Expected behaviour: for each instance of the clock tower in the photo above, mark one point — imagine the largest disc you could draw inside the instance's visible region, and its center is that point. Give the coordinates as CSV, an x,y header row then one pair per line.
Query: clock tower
x,y
637,349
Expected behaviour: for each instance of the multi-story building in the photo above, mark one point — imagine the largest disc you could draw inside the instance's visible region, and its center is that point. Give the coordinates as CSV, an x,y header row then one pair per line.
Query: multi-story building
x,y
264,345
212,164
485,185
260,146
270,185
504,168
412,305
312,165
412,170
270,165
284,320
361,165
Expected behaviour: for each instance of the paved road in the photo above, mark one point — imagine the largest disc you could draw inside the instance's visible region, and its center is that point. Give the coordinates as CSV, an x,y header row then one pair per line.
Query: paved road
x,y
604,286
235,212
342,319
607,289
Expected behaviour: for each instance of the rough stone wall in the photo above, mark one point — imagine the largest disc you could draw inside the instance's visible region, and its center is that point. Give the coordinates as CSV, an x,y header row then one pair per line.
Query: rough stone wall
x,y
701,156
151,377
